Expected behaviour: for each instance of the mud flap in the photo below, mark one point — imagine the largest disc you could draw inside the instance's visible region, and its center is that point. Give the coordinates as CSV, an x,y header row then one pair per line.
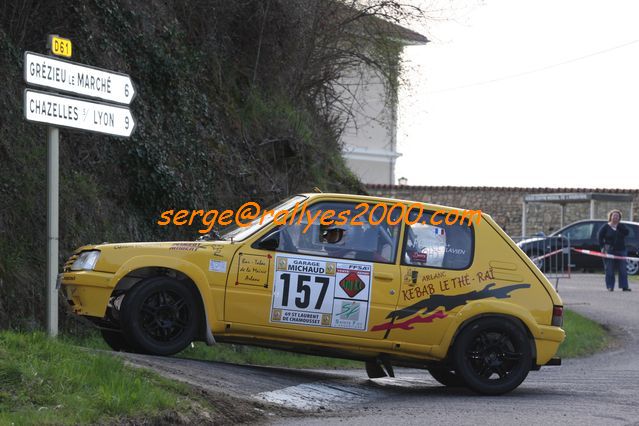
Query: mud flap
x,y
553,361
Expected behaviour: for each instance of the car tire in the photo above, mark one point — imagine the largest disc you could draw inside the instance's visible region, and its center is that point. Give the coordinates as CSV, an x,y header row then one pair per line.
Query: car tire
x,y
447,377
632,267
159,316
492,347
116,340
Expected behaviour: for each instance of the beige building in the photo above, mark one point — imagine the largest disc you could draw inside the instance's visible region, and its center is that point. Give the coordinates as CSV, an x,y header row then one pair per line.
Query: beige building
x,y
370,136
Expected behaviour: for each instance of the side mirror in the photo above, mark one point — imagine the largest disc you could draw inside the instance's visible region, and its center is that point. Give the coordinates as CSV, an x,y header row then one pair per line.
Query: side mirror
x,y
540,234
332,235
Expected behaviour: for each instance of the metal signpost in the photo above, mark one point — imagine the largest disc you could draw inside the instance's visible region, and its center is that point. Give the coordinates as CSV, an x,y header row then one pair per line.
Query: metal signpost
x,y
74,113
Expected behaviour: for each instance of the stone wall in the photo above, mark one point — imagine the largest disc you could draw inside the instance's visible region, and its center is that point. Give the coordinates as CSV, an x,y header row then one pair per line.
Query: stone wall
x,y
505,204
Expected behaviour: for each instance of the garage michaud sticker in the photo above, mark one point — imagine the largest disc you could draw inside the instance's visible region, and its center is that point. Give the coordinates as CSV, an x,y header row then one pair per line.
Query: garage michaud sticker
x,y
321,293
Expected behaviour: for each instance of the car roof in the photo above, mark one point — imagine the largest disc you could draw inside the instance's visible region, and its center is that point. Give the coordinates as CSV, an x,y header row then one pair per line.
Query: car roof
x,y
602,221
375,199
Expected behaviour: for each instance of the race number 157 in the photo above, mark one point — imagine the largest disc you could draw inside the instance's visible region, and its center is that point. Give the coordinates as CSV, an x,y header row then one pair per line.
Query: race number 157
x,y
303,291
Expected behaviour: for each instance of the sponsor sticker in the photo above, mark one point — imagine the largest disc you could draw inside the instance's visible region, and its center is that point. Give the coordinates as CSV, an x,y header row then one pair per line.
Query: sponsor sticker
x,y
217,265
321,292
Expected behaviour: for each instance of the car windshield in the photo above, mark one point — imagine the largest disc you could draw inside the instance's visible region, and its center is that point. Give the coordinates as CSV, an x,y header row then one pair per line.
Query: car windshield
x,y
239,233
580,231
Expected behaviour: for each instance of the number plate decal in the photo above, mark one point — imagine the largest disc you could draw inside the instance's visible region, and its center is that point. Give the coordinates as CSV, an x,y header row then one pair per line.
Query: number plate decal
x,y
321,292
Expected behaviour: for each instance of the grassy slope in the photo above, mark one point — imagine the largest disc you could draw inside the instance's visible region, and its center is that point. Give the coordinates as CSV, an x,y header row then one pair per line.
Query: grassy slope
x,y
214,129
47,381
583,336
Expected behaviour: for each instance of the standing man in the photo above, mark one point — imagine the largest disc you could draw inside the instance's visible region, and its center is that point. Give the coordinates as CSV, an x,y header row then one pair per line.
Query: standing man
x,y
612,241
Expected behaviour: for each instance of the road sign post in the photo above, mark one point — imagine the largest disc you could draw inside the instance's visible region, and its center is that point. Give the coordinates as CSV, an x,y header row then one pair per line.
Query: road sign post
x,y
53,226
66,111
53,177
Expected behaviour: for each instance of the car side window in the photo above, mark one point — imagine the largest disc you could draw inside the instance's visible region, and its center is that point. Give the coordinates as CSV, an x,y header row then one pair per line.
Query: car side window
x,y
437,245
342,238
583,231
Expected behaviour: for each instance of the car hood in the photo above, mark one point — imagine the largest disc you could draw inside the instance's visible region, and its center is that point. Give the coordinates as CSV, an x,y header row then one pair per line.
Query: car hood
x,y
530,240
113,256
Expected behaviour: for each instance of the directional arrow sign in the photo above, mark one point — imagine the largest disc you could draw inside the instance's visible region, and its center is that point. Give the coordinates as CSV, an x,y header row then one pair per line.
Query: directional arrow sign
x,y
67,76
65,111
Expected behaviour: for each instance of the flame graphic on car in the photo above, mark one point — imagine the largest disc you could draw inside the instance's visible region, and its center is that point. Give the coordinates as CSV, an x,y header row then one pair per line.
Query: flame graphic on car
x,y
446,302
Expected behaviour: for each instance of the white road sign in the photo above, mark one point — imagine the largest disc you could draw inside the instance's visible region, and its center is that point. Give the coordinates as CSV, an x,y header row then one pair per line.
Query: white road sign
x,y
67,76
65,111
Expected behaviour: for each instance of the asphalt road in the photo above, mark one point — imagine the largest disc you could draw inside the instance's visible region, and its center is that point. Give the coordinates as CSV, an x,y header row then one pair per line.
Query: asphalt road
x,y
602,389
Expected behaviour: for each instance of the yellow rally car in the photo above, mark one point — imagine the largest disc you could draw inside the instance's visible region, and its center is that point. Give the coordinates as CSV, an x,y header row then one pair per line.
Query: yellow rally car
x,y
460,300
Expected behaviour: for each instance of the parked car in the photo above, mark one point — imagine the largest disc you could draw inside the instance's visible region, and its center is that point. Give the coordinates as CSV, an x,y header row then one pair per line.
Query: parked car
x,y
581,235
462,301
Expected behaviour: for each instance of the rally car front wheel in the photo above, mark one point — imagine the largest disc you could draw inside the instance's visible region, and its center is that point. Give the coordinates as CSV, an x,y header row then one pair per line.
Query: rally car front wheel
x,y
116,341
159,316
492,355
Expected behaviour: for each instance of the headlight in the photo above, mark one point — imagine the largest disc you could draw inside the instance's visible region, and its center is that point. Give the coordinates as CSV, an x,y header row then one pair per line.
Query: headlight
x,y
86,261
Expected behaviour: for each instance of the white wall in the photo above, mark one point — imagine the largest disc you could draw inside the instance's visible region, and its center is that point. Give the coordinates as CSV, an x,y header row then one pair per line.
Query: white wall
x,y
369,137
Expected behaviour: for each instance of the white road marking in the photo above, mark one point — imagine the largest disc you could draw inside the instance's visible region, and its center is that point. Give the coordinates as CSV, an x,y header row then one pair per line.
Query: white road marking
x,y
310,396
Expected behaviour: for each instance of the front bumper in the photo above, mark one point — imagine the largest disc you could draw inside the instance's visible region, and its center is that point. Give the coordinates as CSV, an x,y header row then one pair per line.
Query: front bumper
x,y
87,292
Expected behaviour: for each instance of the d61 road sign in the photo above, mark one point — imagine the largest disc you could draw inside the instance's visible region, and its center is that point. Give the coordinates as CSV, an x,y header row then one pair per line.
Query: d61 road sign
x,y
61,46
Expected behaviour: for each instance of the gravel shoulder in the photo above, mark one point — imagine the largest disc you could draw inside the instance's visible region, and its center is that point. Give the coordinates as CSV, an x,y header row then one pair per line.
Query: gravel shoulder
x,y
617,311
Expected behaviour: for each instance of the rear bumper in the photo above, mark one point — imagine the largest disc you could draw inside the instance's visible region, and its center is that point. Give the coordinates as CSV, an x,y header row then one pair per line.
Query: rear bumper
x,y
547,344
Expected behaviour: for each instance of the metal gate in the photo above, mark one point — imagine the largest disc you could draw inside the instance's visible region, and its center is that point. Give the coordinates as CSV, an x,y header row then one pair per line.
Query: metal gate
x,y
550,254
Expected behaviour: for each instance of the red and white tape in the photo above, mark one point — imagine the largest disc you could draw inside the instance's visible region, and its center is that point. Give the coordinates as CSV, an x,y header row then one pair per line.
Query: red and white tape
x,y
605,255
547,255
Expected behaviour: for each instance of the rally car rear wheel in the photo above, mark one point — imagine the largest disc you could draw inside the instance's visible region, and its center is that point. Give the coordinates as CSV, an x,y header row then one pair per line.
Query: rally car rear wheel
x,y
492,355
159,316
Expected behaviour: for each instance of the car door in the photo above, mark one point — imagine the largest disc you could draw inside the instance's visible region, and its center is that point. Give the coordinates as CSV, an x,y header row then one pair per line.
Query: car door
x,y
295,277
583,235
632,244
435,259
592,243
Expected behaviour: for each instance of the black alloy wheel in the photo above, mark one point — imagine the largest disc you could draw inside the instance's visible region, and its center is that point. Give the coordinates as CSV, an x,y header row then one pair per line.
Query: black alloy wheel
x,y
160,316
493,355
